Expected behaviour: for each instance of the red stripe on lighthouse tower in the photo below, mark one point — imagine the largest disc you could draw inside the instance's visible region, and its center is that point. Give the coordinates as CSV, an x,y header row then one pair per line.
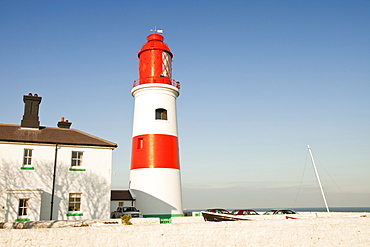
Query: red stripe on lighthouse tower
x,y
163,146
155,167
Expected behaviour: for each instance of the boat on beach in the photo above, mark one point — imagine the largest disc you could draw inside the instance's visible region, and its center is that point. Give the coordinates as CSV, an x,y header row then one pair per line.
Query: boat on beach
x,y
210,216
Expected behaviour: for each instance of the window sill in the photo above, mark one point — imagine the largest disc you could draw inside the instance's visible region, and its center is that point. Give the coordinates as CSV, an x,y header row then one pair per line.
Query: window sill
x,y
75,214
77,169
27,168
23,219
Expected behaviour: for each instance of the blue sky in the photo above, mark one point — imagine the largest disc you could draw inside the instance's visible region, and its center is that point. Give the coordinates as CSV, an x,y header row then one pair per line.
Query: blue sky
x,y
260,81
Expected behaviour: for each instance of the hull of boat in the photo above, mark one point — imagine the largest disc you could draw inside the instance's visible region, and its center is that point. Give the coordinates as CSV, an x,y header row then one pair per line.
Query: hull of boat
x,y
208,216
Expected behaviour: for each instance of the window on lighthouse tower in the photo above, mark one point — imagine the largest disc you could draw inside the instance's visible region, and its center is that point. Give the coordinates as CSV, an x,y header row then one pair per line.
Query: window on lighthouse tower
x,y
160,114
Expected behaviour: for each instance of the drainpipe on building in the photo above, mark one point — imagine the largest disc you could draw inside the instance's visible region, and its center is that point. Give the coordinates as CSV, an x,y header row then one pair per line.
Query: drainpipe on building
x,y
52,192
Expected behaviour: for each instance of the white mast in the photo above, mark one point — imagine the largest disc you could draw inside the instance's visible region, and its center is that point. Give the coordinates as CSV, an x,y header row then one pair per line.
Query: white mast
x,y
318,179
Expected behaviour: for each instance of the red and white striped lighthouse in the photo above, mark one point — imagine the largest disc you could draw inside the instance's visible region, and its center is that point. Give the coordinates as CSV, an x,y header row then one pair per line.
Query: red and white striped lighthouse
x,y
155,169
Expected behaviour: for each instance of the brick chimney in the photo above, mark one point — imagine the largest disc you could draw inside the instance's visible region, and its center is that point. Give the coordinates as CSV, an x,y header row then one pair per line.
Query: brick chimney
x,y
31,111
64,124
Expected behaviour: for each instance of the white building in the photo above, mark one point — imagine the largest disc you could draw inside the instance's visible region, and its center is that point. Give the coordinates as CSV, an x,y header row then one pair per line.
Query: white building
x,y
44,168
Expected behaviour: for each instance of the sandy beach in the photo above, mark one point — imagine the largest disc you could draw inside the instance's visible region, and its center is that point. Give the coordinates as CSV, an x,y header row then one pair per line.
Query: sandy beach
x,y
344,229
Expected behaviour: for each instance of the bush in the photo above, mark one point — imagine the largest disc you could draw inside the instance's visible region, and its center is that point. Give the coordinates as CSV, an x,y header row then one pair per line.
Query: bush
x,y
126,219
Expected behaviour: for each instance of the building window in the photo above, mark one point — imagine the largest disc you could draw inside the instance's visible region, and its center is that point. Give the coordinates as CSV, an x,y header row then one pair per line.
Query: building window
x,y
74,203
160,114
23,206
120,204
27,158
77,158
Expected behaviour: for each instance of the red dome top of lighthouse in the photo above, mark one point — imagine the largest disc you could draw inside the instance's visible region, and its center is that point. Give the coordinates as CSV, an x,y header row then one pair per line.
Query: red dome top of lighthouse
x,y
155,62
155,42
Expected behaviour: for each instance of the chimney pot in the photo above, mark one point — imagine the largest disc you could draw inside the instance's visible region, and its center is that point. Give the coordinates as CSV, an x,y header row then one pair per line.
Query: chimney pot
x,y
64,124
62,119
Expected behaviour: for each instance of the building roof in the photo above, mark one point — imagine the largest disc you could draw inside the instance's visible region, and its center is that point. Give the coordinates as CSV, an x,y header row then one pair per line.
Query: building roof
x,y
49,135
121,195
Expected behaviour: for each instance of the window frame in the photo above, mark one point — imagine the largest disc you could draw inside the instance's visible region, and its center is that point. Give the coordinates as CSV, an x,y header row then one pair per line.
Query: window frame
x,y
27,157
74,205
140,143
166,65
161,114
77,160
23,208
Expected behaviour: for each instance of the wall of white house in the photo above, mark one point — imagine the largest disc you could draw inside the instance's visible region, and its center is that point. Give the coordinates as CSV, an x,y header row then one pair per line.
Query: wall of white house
x,y
93,181
33,208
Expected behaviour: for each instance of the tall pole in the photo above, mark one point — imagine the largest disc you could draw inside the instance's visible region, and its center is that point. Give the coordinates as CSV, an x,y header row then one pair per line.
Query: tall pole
x,y
52,191
318,178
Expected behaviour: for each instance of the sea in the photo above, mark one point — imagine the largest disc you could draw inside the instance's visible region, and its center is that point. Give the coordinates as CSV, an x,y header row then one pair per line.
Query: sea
x,y
313,209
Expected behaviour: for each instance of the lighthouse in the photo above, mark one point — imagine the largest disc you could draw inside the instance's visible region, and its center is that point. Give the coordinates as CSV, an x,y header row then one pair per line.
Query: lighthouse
x,y
155,179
